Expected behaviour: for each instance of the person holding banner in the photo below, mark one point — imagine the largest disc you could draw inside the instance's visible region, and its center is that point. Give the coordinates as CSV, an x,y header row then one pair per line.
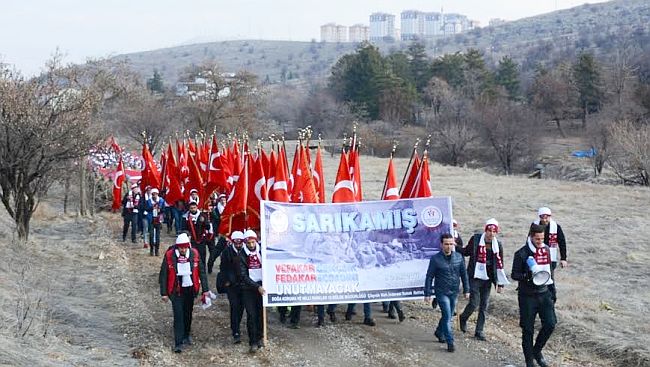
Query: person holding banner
x,y
181,278
485,268
554,238
198,226
447,268
532,268
250,279
229,272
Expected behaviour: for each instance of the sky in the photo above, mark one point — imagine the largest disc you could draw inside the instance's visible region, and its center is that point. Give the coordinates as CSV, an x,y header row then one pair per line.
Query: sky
x,y
31,30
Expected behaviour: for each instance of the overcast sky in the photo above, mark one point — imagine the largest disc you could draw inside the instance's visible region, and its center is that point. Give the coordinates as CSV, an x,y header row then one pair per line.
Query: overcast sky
x,y
30,30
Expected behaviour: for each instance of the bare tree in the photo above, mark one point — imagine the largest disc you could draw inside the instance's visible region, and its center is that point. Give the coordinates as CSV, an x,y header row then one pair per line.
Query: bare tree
x,y
454,129
630,158
553,94
44,122
599,135
510,130
621,72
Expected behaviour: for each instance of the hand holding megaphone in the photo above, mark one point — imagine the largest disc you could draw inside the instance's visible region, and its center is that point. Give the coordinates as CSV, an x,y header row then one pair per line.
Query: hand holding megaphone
x,y
540,276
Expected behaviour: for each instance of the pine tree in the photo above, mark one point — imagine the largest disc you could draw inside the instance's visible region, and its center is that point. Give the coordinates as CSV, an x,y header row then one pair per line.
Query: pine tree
x,y
155,83
507,76
588,82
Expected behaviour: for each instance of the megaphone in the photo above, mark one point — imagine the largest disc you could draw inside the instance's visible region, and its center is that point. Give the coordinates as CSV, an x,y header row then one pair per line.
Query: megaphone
x,y
540,276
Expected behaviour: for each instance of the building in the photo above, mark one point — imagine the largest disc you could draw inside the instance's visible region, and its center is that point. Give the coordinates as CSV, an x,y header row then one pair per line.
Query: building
x,y
433,24
474,24
359,33
455,23
332,32
496,22
412,25
382,26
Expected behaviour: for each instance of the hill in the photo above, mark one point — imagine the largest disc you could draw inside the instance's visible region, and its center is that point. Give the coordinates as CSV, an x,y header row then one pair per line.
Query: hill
x,y
102,307
543,38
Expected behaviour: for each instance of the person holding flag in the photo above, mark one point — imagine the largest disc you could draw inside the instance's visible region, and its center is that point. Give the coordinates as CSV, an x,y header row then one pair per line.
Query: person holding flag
x,y
155,206
198,226
130,205
250,280
485,268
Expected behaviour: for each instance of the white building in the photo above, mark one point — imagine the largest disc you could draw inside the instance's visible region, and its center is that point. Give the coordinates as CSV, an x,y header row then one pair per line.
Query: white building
x,y
455,23
412,25
382,26
332,32
433,24
359,33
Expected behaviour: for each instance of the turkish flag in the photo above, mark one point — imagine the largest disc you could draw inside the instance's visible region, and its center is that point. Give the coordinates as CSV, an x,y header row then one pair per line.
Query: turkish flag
x,y
344,187
391,191
256,193
174,192
279,190
411,178
303,190
194,181
423,185
233,217
183,169
217,179
118,180
270,177
150,174
355,174
319,178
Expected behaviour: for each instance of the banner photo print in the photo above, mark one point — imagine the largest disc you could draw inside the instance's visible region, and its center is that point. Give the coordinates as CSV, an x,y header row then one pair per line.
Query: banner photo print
x,y
350,252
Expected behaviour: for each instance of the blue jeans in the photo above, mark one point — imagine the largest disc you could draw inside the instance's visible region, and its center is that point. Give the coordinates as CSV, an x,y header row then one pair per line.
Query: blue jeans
x,y
447,304
367,312
178,215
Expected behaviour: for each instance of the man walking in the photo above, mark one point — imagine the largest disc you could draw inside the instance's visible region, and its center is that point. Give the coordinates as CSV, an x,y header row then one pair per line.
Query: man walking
x,y
130,208
534,257
555,240
199,228
182,276
484,269
229,271
250,279
155,206
447,268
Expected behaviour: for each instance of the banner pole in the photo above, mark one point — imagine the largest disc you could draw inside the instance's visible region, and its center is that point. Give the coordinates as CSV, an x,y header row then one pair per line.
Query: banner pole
x,y
264,331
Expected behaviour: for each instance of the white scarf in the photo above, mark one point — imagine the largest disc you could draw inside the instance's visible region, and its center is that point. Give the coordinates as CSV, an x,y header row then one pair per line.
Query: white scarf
x,y
552,238
542,258
254,274
184,270
220,208
480,269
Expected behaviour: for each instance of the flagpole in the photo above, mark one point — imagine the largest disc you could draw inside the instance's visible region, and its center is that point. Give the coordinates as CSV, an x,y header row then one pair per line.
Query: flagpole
x,y
415,148
383,191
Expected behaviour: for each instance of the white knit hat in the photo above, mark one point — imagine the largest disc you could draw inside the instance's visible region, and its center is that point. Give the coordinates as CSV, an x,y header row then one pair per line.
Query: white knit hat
x,y
492,222
155,191
250,234
543,211
183,240
236,235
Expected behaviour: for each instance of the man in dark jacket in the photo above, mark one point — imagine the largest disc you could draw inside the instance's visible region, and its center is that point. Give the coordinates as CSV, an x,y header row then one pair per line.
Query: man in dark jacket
x,y
229,270
533,295
199,228
250,280
484,269
130,207
555,240
182,276
447,267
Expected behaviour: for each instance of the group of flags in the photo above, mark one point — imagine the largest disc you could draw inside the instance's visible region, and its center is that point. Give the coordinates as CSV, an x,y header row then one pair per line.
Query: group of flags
x,y
247,178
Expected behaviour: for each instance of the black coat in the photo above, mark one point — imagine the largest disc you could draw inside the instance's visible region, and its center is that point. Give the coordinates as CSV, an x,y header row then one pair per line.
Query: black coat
x,y
521,272
471,250
230,265
245,282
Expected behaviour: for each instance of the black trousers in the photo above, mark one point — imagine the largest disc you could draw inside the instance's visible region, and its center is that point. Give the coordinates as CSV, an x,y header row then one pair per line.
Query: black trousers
x,y
154,238
214,253
320,309
202,249
235,300
182,305
529,307
253,306
479,296
130,220
294,314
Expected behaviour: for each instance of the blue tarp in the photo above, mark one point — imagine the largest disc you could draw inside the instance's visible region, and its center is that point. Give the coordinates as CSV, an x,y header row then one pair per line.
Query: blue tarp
x,y
584,153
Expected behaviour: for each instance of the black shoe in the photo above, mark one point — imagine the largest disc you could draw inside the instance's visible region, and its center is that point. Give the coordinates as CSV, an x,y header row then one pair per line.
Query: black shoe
x,y
236,339
294,325
539,358
187,341
441,339
123,239
253,349
450,348
463,325
392,316
400,315
384,309
369,322
480,336
321,322
348,316
177,349
260,344
332,316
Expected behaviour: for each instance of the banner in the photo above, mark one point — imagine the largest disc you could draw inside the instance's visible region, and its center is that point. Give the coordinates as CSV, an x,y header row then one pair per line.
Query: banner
x,y
367,251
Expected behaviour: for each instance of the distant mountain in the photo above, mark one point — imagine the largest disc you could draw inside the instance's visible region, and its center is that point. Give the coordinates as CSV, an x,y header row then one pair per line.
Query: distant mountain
x,y
541,39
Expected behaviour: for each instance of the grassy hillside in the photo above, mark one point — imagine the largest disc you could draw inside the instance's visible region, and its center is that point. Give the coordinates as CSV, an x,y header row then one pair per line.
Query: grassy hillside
x,y
531,40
